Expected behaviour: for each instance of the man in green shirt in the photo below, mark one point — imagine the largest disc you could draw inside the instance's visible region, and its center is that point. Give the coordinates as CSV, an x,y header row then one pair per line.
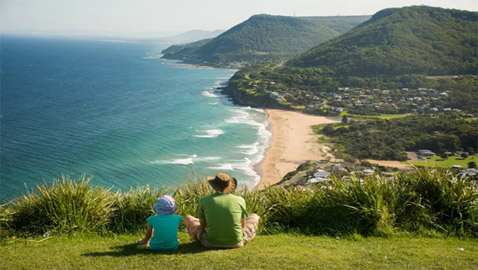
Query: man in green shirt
x,y
222,220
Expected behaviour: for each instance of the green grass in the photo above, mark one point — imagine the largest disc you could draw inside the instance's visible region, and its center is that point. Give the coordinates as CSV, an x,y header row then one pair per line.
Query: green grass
x,y
282,251
437,161
380,116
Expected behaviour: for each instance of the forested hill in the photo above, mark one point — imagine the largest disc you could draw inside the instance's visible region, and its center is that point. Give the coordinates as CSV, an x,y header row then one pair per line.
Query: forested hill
x,y
416,39
264,37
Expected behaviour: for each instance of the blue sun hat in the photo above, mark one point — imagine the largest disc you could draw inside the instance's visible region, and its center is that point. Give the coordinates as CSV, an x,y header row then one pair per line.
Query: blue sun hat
x,y
165,205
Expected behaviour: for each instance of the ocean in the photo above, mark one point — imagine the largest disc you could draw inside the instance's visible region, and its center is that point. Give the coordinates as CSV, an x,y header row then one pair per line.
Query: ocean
x,y
116,112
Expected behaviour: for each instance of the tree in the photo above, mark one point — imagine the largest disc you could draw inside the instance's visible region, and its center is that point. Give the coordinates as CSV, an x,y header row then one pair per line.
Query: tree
x,y
345,119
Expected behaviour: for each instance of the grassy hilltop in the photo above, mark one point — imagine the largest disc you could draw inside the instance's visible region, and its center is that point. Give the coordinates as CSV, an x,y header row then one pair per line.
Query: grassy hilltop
x,y
411,221
280,251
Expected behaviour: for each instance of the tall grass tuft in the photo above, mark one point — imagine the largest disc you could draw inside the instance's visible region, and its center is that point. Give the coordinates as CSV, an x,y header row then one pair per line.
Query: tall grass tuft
x,y
66,205
133,207
437,200
353,205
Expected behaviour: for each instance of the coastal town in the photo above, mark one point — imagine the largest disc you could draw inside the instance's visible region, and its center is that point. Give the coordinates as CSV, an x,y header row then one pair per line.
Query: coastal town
x,y
318,172
361,100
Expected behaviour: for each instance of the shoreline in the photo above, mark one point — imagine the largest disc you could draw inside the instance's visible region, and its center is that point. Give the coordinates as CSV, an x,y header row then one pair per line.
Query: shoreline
x,y
183,64
293,142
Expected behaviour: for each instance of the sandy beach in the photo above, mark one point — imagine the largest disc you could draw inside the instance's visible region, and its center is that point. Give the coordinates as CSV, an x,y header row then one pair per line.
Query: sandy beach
x,y
293,142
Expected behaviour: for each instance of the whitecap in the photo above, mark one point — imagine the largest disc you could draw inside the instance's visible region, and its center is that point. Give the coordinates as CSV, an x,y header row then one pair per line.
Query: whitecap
x,y
249,149
211,133
245,166
223,167
208,94
243,117
179,161
183,160
200,159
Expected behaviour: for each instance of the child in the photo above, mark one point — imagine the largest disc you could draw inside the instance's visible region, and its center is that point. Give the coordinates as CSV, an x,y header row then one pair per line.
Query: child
x,y
163,226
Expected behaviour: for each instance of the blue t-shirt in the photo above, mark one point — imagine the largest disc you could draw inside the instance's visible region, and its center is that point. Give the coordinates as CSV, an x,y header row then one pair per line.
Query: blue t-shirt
x,y
165,233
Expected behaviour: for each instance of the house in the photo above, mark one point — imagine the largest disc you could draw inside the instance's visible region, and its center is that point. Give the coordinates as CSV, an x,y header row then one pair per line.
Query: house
x,y
469,172
424,152
368,171
319,176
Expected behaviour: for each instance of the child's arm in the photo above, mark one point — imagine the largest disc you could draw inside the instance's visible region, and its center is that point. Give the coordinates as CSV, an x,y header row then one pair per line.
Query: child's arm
x,y
147,236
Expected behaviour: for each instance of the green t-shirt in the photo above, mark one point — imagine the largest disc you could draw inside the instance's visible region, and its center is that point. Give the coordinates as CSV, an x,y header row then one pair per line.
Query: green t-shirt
x,y
223,214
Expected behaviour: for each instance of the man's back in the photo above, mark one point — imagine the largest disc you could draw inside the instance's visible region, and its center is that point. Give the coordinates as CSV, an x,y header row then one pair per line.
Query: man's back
x,y
223,214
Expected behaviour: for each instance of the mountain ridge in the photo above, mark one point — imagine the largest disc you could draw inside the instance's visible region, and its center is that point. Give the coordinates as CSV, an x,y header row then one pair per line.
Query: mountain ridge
x,y
416,39
264,37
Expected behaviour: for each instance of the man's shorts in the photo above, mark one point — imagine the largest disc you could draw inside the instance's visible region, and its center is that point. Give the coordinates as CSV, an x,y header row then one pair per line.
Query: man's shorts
x,y
252,222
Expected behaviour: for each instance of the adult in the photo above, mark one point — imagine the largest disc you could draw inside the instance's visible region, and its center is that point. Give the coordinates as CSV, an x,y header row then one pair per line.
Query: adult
x,y
222,220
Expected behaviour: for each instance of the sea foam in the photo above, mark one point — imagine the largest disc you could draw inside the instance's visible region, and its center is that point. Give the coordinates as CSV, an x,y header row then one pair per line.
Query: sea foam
x,y
208,94
186,160
211,133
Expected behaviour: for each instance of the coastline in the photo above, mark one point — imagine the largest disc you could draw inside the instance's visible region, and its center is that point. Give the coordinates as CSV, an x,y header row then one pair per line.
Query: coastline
x,y
293,142
182,64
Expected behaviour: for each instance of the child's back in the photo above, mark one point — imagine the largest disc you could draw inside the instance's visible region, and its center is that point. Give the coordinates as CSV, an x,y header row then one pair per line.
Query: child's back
x,y
162,229
165,233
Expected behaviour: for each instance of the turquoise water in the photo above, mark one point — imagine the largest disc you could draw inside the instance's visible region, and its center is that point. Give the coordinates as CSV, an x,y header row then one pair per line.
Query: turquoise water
x,y
116,112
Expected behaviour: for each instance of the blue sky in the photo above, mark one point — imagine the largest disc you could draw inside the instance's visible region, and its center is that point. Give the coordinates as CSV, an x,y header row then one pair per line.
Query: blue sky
x,y
160,17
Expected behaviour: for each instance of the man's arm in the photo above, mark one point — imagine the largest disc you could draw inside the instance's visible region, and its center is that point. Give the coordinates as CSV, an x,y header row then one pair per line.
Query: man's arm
x,y
202,223
243,223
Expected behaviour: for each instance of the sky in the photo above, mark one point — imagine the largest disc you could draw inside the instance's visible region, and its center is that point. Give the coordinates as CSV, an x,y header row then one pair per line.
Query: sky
x,y
163,17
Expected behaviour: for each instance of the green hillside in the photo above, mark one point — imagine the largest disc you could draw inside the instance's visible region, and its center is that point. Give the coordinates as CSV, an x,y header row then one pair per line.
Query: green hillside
x,y
181,52
264,37
417,39
413,48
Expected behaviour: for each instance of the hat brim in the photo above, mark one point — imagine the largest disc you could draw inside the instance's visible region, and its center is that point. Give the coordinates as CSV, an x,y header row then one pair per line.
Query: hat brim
x,y
219,186
165,211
